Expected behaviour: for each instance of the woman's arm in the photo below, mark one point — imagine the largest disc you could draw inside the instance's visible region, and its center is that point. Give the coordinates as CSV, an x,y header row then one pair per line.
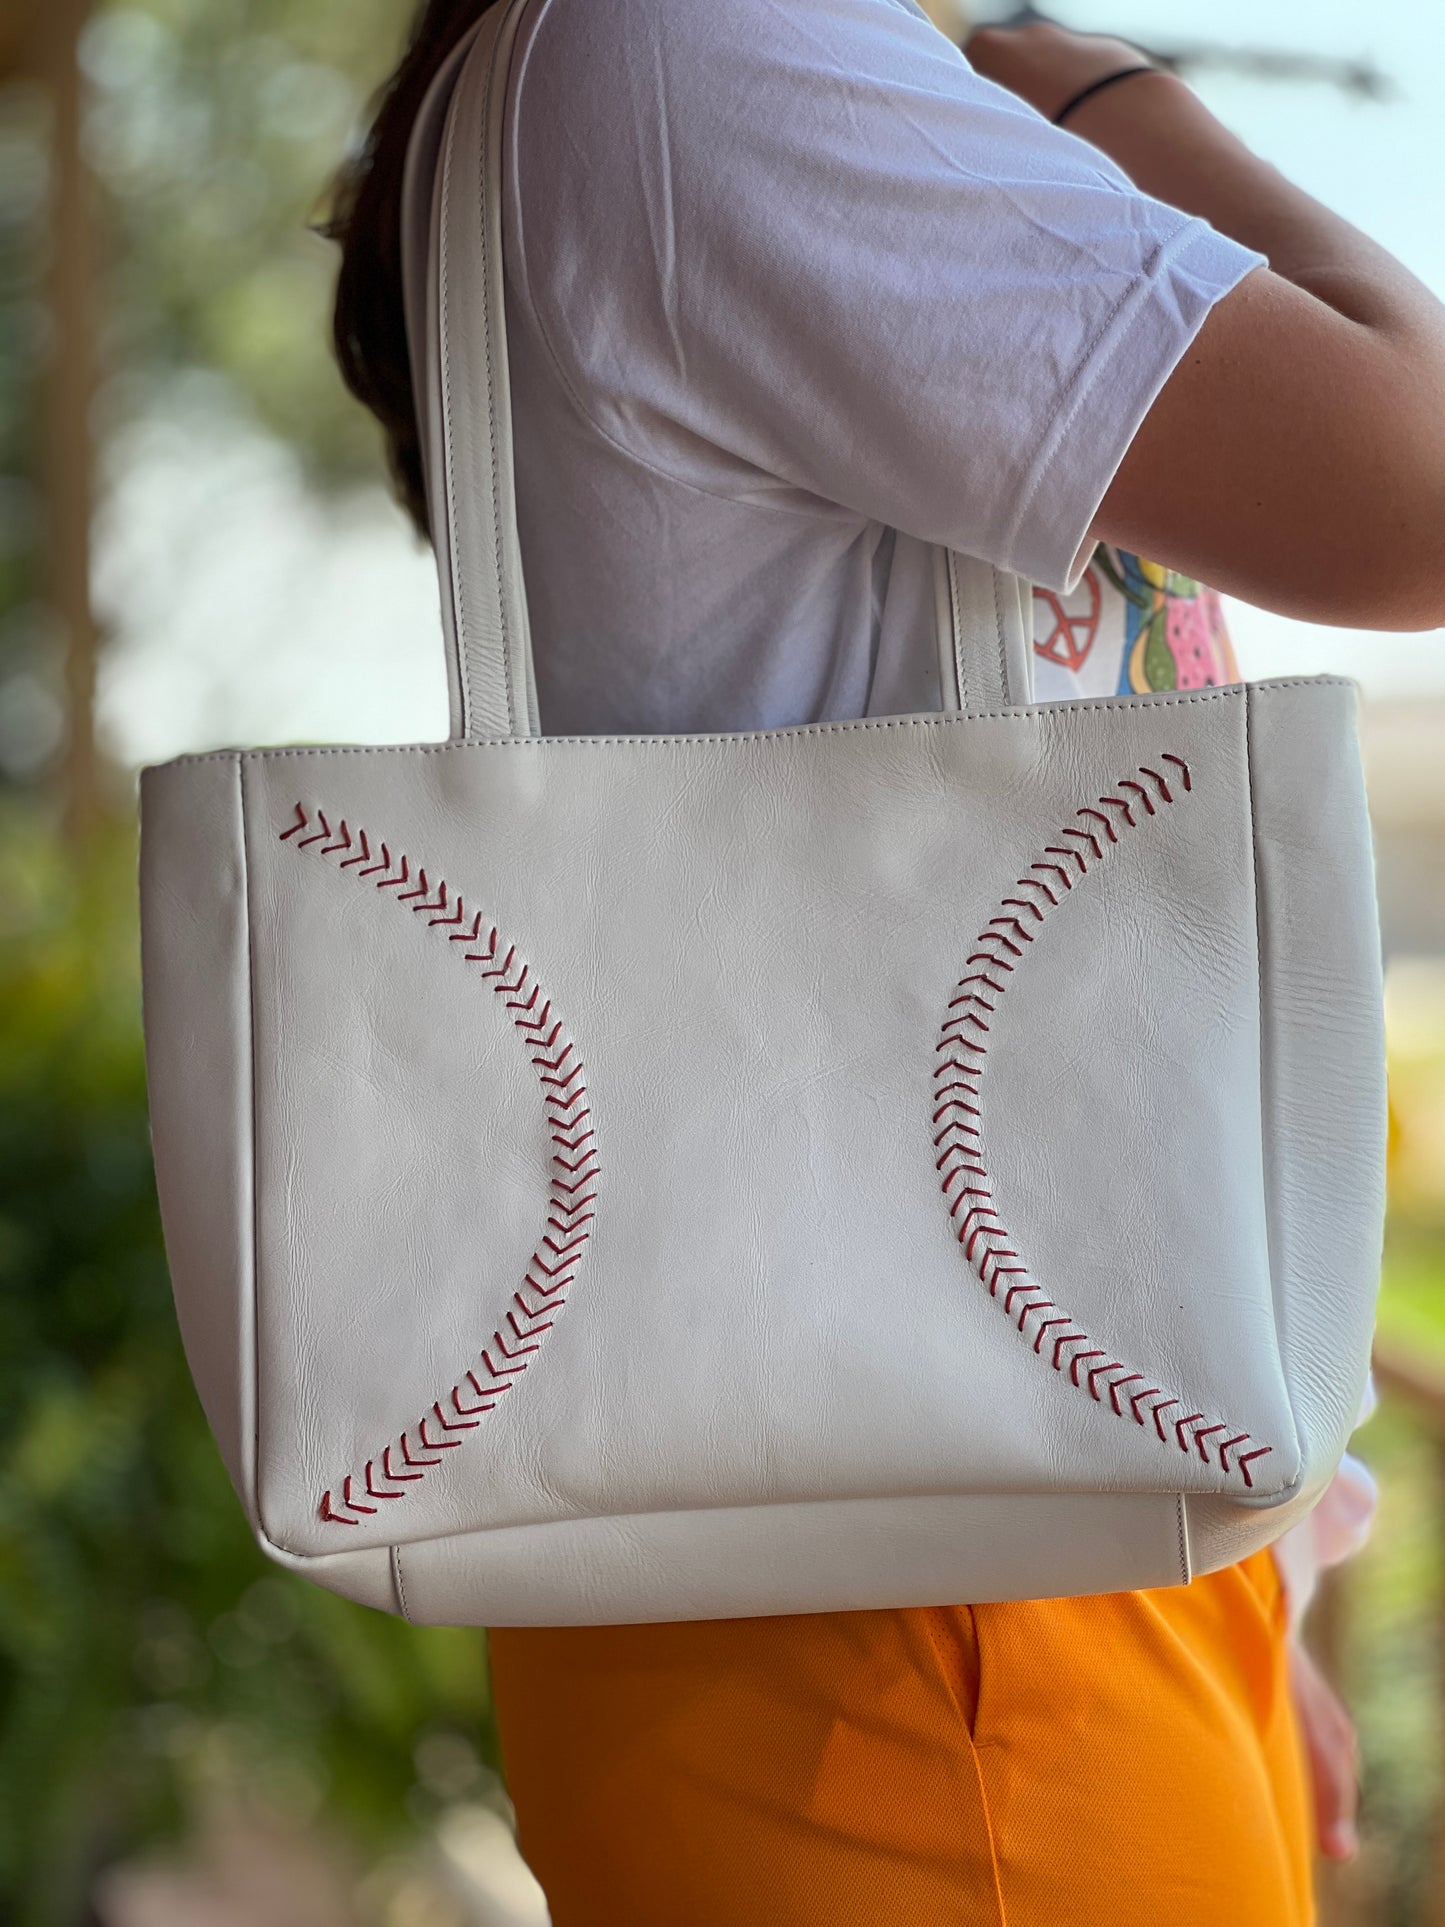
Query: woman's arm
x,y
1296,455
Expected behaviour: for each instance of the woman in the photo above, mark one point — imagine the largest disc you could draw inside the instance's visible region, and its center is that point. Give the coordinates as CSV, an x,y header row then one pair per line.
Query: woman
x,y
795,290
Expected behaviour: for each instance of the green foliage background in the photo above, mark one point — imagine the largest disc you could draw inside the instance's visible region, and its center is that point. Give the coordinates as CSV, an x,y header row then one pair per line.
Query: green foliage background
x,y
213,130
146,1648
147,1651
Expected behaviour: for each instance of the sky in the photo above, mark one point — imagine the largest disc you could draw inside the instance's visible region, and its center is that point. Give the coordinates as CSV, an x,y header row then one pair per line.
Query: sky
x,y
1381,164
245,610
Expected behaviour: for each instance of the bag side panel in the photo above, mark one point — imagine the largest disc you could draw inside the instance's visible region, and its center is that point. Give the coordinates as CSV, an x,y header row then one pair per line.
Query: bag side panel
x,y
198,1070
367,1575
1324,1053
1223,1531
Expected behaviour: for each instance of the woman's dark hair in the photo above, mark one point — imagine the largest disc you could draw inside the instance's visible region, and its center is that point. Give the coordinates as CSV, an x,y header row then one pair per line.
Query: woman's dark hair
x,y
369,319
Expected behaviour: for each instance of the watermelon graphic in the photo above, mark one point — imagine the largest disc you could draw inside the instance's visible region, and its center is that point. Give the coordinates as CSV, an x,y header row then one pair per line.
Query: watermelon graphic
x,y
1175,633
1194,631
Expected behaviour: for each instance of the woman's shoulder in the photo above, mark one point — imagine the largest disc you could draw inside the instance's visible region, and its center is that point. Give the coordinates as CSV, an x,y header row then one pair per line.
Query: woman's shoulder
x,y
649,48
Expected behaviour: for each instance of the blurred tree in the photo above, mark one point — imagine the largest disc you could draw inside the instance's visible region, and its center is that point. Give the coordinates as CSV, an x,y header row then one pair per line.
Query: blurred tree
x,y
145,1646
210,133
29,708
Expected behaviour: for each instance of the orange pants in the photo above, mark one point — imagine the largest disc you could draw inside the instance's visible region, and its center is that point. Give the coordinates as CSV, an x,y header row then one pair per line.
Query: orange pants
x,y
1120,1761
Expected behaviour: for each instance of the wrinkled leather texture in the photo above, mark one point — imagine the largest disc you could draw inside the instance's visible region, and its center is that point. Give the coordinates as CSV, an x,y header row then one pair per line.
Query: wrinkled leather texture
x,y
889,1163
752,943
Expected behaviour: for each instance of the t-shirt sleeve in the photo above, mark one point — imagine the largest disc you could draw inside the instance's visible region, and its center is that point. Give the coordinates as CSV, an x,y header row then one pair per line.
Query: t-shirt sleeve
x,y
799,247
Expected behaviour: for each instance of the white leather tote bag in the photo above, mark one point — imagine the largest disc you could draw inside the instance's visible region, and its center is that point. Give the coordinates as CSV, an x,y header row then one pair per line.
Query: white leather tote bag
x,y
927,1159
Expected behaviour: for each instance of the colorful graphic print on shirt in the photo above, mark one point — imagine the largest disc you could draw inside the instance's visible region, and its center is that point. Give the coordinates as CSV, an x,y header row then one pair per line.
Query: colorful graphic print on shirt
x,y
1129,626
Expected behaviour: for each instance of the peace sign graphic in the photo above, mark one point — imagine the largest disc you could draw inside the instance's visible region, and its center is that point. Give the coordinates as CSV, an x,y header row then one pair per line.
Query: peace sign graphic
x,y
1071,637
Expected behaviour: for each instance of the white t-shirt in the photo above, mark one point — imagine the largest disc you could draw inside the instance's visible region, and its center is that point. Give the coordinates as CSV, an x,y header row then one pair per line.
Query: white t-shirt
x,y
792,293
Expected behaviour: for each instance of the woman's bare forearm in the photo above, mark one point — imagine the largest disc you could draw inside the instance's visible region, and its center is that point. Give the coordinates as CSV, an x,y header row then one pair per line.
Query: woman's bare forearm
x,y
1170,145
1312,399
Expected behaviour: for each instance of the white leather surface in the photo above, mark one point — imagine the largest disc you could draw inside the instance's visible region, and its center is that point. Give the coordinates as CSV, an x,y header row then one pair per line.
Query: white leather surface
x,y
456,326
196,991
1323,1077
782,1558
888,1163
772,1307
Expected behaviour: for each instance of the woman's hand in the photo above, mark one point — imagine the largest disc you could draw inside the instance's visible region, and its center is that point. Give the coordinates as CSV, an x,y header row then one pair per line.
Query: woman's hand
x,y
1047,65
1332,1753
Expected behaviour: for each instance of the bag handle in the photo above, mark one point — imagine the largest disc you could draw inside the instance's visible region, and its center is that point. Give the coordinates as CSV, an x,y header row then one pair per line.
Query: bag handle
x,y
457,337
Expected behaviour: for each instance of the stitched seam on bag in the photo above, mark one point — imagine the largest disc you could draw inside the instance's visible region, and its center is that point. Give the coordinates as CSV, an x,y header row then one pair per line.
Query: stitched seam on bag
x,y
457,574
962,1162
956,604
483,150
572,1180
1031,713
1003,688
1184,1572
251,1108
401,1605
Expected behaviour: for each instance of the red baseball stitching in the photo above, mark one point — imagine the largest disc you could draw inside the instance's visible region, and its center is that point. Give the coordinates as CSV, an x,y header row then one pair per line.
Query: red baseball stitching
x,y
962,1051
572,1183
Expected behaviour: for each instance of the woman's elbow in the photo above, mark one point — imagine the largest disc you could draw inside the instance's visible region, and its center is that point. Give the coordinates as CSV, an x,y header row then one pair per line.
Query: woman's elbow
x,y
1386,570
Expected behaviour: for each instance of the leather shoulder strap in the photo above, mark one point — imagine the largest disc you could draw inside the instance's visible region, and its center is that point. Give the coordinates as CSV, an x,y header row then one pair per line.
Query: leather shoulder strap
x,y
457,337
985,634
456,330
